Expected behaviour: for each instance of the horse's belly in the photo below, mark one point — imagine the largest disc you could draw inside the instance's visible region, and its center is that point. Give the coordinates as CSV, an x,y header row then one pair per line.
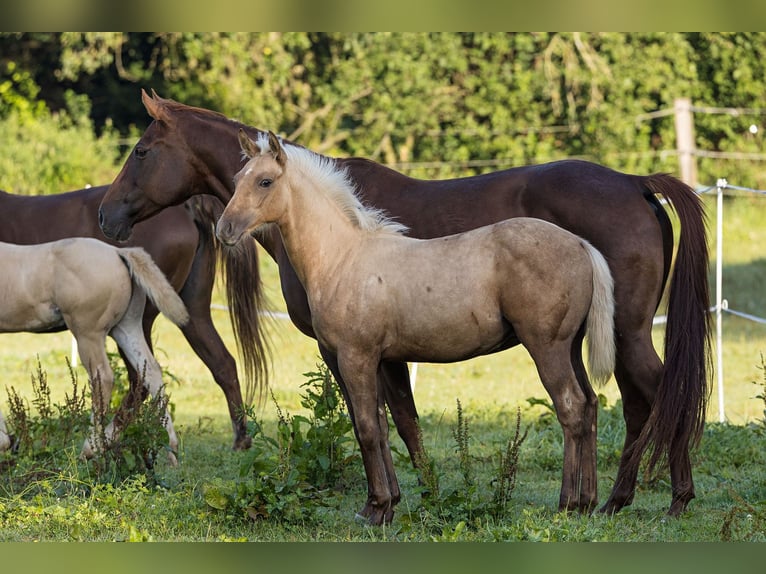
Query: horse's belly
x,y
41,318
448,337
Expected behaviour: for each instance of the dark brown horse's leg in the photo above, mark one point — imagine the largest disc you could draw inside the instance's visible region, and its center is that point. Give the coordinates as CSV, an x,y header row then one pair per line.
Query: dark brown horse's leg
x,y
636,405
401,403
385,449
682,482
204,339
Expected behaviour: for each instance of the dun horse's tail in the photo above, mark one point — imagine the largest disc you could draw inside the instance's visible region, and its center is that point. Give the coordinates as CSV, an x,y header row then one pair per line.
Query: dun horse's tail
x,y
600,323
677,417
152,280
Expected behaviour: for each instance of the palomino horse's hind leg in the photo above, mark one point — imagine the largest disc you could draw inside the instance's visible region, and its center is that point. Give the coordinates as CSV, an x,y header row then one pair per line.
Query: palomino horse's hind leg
x,y
5,439
130,339
92,352
576,412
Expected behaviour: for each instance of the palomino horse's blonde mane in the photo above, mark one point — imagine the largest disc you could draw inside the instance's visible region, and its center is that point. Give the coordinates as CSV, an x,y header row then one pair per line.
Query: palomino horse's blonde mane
x,y
337,184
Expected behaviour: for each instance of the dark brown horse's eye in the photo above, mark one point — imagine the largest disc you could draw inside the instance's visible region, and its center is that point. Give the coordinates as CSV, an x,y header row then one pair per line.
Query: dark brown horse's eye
x,y
141,152
265,182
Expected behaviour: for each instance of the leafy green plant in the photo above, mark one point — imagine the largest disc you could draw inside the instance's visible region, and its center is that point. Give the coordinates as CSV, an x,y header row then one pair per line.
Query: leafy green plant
x,y
468,500
47,435
505,483
39,429
292,475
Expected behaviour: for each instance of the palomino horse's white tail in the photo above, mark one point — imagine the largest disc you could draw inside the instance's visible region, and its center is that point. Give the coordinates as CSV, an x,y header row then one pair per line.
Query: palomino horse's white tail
x,y
600,324
149,277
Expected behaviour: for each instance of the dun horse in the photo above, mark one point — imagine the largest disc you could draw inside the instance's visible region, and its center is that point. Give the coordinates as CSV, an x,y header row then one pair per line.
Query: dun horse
x,y
619,214
377,295
181,242
94,290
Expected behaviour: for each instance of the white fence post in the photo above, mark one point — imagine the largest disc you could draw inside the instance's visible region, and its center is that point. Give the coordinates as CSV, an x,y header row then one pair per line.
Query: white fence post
x,y
719,301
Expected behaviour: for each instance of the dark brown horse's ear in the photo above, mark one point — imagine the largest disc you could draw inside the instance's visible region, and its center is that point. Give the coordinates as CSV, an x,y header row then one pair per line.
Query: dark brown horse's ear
x,y
154,106
276,148
248,146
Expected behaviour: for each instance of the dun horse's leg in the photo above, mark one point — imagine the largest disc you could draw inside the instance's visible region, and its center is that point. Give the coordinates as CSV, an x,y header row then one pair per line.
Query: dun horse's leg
x,y
362,387
574,411
589,455
403,412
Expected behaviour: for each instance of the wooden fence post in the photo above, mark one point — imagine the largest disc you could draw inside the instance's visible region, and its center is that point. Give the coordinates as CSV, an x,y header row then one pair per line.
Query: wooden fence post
x,y
685,140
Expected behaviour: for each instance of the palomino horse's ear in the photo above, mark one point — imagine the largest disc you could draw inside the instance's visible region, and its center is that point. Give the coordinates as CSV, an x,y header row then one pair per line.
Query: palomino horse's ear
x,y
248,146
154,106
276,148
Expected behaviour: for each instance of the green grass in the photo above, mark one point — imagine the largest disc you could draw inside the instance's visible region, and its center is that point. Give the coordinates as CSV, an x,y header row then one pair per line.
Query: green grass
x,y
63,503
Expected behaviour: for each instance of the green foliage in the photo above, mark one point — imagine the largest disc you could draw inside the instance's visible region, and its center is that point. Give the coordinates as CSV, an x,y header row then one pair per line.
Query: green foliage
x,y
19,93
467,501
55,153
292,476
431,104
40,429
47,436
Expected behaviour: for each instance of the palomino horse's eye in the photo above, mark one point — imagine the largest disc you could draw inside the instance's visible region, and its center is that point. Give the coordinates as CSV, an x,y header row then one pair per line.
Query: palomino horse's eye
x,y
141,152
265,182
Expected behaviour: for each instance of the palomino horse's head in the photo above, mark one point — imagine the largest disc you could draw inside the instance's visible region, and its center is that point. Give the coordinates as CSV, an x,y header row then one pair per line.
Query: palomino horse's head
x,y
162,170
256,198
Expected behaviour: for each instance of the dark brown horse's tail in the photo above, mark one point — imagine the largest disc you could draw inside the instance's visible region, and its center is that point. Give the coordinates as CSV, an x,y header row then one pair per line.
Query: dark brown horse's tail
x,y
244,295
677,417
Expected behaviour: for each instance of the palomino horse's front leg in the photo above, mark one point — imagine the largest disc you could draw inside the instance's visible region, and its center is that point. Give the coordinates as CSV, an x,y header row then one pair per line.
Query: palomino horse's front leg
x,y
362,387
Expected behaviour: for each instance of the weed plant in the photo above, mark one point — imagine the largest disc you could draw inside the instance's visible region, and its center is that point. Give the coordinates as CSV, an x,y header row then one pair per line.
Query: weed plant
x,y
47,437
479,478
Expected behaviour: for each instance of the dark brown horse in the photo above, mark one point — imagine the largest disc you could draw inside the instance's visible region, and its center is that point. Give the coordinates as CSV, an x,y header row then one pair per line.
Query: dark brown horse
x,y
181,242
187,151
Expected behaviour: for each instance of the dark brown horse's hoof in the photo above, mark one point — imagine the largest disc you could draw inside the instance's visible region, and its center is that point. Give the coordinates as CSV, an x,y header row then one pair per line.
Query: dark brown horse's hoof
x,y
374,516
242,443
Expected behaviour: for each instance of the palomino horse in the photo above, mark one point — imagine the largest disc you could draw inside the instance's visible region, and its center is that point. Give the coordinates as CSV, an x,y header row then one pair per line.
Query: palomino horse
x,y
94,290
619,214
181,242
5,439
377,295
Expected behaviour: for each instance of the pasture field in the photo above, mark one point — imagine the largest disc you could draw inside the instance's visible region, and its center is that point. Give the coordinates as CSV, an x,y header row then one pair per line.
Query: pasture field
x,y
202,499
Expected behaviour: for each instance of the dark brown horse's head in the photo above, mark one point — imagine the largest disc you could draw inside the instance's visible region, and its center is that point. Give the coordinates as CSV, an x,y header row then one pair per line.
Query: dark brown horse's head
x,y
175,158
